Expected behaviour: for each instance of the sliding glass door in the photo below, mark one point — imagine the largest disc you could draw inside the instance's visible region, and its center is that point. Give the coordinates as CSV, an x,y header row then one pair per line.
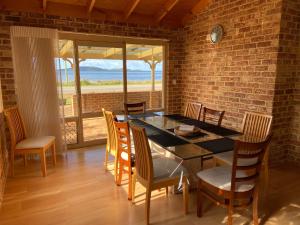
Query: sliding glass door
x,y
145,75
101,76
98,75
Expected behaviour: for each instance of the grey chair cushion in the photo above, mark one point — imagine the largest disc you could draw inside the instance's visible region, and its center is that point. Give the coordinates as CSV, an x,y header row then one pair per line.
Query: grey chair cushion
x,y
227,157
220,177
35,142
163,168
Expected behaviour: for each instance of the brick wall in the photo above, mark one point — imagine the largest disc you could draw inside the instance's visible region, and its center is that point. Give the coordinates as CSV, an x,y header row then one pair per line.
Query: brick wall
x,y
239,73
94,102
287,95
6,67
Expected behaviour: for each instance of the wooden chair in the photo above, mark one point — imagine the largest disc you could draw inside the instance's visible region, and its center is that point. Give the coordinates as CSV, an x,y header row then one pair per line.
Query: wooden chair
x,y
154,173
124,159
236,185
111,144
213,116
134,108
193,110
23,145
255,125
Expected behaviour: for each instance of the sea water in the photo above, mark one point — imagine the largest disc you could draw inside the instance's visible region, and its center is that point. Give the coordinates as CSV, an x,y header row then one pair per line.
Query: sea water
x,y
111,75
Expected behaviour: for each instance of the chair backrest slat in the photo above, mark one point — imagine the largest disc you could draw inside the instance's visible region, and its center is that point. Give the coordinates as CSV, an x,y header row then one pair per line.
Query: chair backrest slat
x,y
143,158
245,179
110,118
257,125
15,125
250,167
193,110
123,138
253,150
134,108
213,115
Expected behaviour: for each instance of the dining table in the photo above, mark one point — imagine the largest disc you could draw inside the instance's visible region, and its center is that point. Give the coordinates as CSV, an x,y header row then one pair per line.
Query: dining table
x,y
189,151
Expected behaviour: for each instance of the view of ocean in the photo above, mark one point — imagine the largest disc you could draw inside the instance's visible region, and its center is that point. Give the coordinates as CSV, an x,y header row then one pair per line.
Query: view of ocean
x,y
112,75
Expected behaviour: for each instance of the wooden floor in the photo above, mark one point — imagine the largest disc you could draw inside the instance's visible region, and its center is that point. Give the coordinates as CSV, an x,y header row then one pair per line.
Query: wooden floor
x,y
80,192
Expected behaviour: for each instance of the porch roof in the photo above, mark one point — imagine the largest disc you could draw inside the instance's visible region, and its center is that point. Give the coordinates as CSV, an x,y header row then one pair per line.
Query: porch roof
x,y
133,52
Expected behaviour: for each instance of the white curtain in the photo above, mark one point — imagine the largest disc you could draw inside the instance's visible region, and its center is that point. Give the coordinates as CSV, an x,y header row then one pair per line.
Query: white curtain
x,y
34,51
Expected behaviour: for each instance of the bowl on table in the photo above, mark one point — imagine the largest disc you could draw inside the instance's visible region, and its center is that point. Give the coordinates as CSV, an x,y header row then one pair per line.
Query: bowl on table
x,y
186,132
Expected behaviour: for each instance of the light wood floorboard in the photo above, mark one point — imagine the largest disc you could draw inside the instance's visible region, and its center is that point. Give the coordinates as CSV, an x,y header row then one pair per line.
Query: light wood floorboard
x,y
79,192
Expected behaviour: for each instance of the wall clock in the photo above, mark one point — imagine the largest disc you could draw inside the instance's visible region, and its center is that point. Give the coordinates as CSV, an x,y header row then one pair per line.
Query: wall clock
x,y
216,34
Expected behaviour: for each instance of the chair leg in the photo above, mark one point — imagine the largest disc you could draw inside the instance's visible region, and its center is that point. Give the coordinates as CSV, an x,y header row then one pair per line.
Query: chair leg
x,y
199,199
133,186
106,157
255,207
25,159
167,191
186,196
53,153
265,181
129,182
148,199
117,167
120,173
230,212
43,163
12,162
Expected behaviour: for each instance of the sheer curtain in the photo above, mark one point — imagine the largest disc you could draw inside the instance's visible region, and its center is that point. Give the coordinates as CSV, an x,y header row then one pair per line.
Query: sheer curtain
x,y
34,51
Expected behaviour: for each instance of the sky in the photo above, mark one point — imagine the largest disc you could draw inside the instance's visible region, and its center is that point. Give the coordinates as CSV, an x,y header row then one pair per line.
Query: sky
x,y
116,64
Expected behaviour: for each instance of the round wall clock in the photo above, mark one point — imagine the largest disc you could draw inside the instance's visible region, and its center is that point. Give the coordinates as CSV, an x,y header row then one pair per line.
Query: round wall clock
x,y
216,34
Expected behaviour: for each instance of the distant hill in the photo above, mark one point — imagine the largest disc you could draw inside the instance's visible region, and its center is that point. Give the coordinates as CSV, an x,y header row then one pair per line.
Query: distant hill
x,y
99,69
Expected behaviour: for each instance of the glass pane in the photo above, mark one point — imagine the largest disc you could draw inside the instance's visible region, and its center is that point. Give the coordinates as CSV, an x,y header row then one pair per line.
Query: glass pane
x,y
144,74
101,80
65,71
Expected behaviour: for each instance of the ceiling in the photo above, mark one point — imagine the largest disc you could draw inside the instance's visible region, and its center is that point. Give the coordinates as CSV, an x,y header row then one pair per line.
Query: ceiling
x,y
150,12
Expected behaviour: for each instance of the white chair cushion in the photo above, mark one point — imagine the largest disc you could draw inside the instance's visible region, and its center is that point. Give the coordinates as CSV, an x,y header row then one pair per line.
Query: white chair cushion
x,y
220,177
124,155
163,168
227,157
35,142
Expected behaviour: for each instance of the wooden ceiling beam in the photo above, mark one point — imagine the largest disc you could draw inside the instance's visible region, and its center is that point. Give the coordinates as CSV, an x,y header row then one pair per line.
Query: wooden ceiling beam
x,y
150,53
90,6
53,8
200,5
44,5
66,49
167,7
130,8
115,51
77,11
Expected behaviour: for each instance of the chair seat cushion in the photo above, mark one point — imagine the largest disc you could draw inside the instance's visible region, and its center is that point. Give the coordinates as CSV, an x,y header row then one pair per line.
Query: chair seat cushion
x,y
227,157
35,142
220,177
163,168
